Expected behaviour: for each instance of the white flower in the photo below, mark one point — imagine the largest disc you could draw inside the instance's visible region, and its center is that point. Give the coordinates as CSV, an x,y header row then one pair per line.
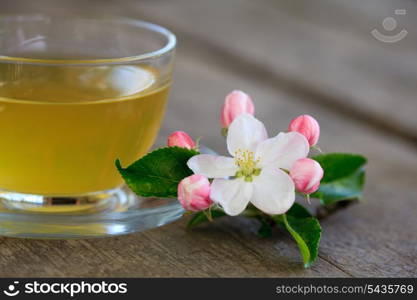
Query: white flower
x,y
257,172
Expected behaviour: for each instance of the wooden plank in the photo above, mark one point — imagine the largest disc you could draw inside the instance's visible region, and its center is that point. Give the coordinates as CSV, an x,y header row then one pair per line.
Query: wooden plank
x,y
333,61
167,251
372,239
171,251
313,48
390,196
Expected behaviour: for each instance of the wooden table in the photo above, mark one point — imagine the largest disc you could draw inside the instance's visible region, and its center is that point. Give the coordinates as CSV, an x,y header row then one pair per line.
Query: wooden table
x,y
293,57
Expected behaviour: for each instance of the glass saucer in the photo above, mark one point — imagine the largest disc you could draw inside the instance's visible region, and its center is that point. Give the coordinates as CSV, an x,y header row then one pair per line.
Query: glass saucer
x,y
121,212
104,214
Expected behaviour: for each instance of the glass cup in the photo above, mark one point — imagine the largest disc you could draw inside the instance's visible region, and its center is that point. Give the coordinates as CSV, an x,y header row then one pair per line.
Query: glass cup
x,y
77,93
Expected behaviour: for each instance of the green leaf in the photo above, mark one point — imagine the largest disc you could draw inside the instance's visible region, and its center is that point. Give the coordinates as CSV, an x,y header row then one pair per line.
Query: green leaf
x,y
158,173
298,211
339,165
201,217
305,230
265,230
346,188
344,177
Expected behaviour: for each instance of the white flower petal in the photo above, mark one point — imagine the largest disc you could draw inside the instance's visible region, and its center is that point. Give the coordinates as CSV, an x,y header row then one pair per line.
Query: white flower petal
x,y
283,150
273,191
245,133
212,166
233,194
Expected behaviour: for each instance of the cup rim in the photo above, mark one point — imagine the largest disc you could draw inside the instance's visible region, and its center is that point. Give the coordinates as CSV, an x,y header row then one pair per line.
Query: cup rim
x,y
168,46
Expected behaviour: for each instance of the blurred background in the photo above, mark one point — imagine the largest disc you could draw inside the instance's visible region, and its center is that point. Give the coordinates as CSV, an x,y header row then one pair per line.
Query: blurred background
x,y
327,54
350,63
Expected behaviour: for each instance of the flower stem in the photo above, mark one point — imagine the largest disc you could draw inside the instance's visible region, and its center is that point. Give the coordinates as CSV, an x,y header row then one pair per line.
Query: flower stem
x,y
207,213
224,132
317,148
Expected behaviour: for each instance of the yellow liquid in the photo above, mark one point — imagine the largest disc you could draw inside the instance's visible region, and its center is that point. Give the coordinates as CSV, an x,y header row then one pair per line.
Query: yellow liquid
x,y
62,128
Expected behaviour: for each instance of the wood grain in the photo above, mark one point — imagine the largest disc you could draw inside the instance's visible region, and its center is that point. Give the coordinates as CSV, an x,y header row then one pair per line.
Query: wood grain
x,y
312,48
220,50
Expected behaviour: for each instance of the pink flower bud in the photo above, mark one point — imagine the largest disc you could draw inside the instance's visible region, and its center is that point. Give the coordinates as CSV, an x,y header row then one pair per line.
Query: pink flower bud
x,y
180,139
307,126
194,193
306,174
235,104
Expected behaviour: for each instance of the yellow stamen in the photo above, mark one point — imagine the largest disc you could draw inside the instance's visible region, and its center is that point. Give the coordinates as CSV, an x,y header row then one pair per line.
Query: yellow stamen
x,y
246,162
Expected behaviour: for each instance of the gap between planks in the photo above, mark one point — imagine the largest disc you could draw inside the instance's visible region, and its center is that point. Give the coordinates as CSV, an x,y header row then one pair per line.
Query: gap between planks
x,y
302,91
342,104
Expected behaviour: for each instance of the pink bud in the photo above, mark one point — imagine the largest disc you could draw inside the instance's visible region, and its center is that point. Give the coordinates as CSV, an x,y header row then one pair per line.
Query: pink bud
x,y
194,193
307,126
306,174
235,104
180,139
